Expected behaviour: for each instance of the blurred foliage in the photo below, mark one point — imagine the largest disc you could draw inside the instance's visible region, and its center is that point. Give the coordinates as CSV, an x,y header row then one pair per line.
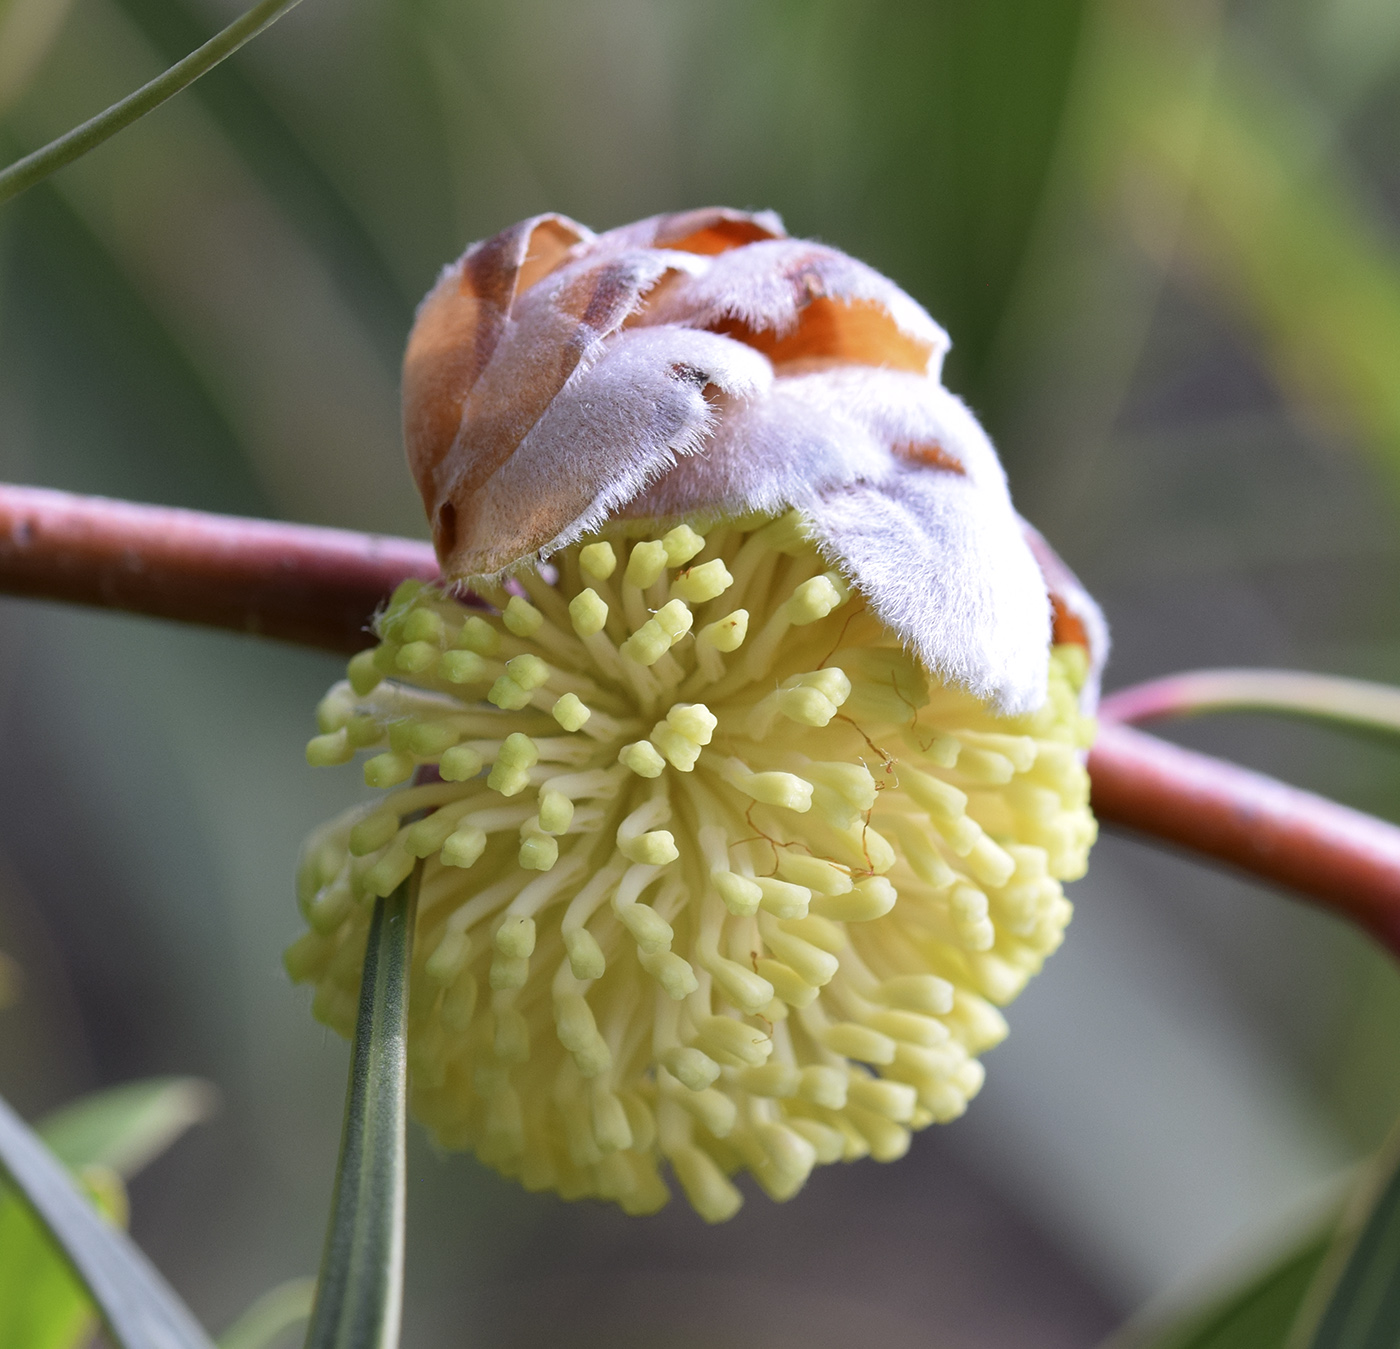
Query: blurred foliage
x,y
271,1316
1354,1302
1258,1314
105,1139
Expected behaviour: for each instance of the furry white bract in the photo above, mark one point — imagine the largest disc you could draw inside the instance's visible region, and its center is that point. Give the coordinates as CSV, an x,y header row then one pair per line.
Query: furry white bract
x,y
704,365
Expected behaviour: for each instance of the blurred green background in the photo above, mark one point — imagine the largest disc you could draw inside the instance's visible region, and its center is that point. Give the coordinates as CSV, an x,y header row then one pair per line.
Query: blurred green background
x,y
1165,237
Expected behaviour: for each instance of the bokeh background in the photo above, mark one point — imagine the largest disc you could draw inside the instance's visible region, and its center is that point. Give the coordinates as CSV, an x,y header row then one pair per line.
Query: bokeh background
x,y
1165,236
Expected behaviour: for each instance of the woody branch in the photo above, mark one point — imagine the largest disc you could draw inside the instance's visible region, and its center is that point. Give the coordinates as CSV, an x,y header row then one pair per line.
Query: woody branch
x,y
318,587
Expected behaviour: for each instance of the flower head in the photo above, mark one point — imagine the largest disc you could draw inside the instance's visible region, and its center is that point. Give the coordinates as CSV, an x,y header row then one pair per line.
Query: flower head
x,y
739,817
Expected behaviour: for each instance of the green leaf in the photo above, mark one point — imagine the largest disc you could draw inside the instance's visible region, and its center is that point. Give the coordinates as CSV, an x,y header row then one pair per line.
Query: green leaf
x,y
138,1307
42,1304
360,1291
277,1310
1255,1315
33,168
1356,1302
126,1127
105,1137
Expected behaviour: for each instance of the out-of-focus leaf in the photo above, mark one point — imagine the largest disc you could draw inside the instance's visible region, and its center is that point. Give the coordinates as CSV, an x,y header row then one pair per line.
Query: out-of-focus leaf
x,y
1355,1303
27,30
125,1127
295,177
42,1304
1257,1314
1230,173
277,1310
138,1307
11,981
103,1137
239,292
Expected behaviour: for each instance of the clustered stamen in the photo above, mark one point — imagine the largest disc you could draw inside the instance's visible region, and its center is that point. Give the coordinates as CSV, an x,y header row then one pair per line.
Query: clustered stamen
x,y
714,873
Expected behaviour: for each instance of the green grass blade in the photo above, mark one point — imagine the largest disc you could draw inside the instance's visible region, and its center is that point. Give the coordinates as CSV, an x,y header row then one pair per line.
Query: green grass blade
x,y
139,1308
24,173
1356,1302
277,1310
359,1298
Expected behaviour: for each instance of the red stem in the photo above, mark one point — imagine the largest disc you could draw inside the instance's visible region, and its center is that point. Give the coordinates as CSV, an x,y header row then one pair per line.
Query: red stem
x,y
318,587
303,584
1340,858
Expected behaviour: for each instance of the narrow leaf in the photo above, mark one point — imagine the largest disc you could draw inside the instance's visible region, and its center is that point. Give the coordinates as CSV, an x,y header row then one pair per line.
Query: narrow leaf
x,y
1356,1301
104,1137
277,1310
1257,1314
359,1298
42,1303
1355,703
139,1308
24,173
126,1127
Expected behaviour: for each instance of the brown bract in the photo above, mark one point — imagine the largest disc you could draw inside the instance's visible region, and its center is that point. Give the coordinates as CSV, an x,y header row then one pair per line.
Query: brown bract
x,y
518,316
705,366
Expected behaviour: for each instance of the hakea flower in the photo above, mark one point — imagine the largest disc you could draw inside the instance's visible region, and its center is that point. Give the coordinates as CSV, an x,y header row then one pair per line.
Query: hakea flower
x,y
741,815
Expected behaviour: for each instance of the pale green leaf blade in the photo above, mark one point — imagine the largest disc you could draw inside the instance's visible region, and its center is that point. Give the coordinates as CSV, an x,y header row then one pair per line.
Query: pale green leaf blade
x,y
139,1308
108,1135
277,1310
42,1303
126,1127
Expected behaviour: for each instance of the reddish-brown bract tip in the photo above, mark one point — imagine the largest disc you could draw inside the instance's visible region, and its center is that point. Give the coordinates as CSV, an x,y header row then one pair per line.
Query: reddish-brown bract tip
x,y
519,315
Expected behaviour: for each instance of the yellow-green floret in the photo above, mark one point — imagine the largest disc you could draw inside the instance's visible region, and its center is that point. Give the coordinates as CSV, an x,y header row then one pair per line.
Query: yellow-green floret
x,y
716,876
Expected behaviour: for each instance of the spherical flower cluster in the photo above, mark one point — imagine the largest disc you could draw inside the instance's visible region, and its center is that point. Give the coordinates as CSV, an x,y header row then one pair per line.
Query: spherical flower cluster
x,y
713,872
739,786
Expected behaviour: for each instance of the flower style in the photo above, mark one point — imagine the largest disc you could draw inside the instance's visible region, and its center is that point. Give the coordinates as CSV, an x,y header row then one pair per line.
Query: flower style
x,y
745,778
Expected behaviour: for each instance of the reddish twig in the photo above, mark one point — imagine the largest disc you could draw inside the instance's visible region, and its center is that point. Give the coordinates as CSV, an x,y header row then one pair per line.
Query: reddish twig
x,y
318,587
313,586
1340,858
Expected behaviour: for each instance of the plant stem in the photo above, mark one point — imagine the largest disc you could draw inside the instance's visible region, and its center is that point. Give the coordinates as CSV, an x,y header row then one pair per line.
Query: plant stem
x,y
318,587
24,173
1347,861
360,1291
1352,702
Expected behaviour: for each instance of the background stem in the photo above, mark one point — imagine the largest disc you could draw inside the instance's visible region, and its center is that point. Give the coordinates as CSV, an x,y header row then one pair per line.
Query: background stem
x,y
316,587
24,173
1351,702
319,588
1345,860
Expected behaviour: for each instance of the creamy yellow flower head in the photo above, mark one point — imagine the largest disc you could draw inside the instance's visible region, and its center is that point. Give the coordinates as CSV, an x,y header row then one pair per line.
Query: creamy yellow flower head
x,y
740,816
